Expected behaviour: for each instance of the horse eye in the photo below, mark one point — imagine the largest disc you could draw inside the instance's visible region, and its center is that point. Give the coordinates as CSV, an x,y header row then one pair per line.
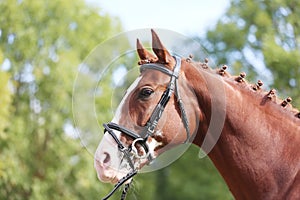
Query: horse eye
x,y
146,92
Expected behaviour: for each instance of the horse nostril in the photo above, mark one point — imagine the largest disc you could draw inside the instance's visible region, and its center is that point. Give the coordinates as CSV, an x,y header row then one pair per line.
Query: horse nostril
x,y
106,158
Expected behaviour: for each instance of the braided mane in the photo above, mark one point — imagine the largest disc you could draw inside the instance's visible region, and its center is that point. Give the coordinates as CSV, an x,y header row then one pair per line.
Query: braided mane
x,y
266,96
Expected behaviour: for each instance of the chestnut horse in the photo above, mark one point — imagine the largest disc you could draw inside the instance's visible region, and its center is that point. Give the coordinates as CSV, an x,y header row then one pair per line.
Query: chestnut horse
x,y
170,103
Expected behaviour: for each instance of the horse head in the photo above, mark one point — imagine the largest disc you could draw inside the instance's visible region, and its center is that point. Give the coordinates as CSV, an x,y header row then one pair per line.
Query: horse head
x,y
158,112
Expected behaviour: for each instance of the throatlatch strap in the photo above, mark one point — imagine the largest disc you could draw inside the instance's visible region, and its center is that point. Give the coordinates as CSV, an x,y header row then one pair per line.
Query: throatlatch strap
x,y
184,118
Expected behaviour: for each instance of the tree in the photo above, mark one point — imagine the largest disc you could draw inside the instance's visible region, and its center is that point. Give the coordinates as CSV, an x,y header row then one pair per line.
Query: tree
x,y
42,43
5,108
263,39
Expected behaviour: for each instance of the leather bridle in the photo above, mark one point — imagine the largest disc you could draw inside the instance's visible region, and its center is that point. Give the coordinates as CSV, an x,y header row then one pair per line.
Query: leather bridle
x,y
130,153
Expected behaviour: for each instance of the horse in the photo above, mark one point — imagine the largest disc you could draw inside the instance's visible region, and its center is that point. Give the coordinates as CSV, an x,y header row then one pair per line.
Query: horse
x,y
172,103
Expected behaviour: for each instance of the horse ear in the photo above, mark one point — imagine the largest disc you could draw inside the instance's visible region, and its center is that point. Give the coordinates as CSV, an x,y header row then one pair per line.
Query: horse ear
x,y
144,54
161,52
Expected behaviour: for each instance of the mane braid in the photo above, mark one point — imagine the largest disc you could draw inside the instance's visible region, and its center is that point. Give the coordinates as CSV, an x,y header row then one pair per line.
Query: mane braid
x,y
266,96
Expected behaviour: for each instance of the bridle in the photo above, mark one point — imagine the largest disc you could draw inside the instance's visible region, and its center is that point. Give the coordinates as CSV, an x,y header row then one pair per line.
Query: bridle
x,y
130,153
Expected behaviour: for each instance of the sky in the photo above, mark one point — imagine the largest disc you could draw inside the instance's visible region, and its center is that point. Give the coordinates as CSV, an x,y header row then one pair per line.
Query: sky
x,y
189,17
186,17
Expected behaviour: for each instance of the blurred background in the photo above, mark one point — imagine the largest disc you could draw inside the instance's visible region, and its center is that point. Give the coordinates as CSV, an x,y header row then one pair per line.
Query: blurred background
x,y
42,43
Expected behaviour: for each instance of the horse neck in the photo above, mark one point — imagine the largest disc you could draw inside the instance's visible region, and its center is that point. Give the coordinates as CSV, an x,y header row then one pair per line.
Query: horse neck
x,y
255,151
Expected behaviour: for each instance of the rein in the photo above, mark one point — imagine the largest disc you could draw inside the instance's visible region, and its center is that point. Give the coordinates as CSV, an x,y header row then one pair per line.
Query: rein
x,y
130,153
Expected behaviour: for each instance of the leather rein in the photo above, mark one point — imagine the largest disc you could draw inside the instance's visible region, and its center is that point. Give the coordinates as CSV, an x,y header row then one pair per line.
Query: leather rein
x,y
130,153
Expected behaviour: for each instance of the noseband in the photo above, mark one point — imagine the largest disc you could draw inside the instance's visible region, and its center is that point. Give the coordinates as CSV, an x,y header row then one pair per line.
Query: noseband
x,y
130,153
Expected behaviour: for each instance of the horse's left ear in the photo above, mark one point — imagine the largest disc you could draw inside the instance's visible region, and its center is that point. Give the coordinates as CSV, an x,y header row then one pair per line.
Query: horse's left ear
x,y
163,55
144,54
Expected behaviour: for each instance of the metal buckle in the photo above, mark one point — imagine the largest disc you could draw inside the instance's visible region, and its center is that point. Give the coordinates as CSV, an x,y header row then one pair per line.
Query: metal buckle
x,y
135,151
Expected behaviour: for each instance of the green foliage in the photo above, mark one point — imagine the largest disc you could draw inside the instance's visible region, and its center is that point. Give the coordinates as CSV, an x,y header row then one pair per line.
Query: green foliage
x,y
5,108
260,37
188,178
44,42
